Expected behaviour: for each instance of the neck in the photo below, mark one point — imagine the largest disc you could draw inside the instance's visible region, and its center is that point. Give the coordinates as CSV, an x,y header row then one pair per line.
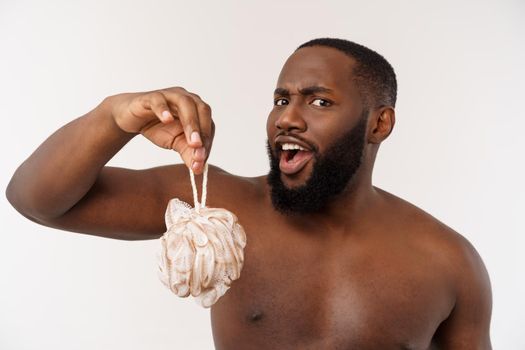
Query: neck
x,y
347,210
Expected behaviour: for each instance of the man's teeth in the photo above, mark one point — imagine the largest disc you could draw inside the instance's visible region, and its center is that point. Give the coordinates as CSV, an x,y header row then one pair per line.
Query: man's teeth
x,y
291,146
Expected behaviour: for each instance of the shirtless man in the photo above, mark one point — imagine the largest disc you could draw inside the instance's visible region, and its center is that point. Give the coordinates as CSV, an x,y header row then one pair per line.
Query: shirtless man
x,y
331,262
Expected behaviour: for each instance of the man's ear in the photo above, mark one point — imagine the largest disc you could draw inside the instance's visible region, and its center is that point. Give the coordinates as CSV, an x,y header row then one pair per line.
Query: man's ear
x,y
381,124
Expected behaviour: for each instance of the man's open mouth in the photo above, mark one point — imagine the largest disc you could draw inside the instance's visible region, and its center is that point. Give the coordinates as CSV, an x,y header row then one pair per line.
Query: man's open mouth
x,y
293,157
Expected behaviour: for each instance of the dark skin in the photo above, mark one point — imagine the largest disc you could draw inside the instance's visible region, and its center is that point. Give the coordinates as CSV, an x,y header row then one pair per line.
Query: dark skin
x,y
370,271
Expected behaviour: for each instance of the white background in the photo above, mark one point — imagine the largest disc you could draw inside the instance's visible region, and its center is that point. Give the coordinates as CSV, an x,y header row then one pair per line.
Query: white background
x,y
456,151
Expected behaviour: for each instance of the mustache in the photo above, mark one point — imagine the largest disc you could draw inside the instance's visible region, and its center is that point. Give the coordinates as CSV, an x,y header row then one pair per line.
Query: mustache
x,y
313,147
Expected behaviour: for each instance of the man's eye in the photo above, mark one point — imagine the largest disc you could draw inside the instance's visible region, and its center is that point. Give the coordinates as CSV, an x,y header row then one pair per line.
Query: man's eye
x,y
279,100
322,102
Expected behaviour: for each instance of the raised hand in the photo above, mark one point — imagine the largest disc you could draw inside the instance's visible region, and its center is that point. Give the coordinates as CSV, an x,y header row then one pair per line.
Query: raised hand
x,y
171,118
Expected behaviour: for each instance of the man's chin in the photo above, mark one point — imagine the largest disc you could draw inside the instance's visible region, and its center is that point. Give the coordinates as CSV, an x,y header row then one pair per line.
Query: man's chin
x,y
291,183
297,180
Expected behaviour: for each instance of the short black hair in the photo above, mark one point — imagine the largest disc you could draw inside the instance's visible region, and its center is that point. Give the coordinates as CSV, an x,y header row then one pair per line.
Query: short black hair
x,y
374,75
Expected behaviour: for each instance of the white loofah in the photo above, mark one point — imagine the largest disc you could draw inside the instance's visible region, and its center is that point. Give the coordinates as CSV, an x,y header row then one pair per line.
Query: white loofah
x,y
202,251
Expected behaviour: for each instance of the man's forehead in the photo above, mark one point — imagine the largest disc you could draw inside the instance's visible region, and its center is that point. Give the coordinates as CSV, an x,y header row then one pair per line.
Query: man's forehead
x,y
317,66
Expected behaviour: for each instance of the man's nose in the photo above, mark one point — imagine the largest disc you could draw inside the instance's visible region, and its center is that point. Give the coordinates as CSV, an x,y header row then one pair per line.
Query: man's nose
x,y
291,119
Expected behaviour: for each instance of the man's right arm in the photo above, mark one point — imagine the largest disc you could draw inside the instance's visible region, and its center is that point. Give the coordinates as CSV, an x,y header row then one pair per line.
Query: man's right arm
x,y
65,183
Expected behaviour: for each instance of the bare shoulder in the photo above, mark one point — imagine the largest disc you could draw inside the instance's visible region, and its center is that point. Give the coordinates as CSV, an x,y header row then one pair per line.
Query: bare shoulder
x,y
468,324
453,245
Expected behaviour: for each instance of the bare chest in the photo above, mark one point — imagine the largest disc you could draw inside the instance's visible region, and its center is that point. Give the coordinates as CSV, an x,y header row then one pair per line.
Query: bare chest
x,y
301,294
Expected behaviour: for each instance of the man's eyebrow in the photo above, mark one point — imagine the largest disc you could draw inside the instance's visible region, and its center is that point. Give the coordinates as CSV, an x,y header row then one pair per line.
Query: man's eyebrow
x,y
309,90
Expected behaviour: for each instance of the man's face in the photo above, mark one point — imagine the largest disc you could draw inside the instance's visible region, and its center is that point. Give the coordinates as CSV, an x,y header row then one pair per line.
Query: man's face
x,y
316,130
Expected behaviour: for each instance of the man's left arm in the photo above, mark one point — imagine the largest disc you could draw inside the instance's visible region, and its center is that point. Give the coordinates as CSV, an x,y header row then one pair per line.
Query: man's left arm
x,y
468,325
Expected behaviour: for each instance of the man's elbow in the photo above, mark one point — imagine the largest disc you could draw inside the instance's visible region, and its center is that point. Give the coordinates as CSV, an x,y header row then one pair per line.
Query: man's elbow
x,y
25,204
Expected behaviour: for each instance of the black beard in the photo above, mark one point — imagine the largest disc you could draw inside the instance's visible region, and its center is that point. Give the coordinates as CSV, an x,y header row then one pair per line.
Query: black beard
x,y
331,174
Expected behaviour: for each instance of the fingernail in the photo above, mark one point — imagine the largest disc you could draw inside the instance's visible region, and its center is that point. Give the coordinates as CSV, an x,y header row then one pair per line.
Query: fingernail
x,y
195,165
195,137
166,115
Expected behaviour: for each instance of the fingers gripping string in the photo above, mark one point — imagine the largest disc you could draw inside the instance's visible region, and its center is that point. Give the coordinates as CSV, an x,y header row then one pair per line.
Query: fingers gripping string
x,y
196,203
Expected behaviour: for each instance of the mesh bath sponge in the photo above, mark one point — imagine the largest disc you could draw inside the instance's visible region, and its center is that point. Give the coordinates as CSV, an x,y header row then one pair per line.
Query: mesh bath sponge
x,y
202,251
